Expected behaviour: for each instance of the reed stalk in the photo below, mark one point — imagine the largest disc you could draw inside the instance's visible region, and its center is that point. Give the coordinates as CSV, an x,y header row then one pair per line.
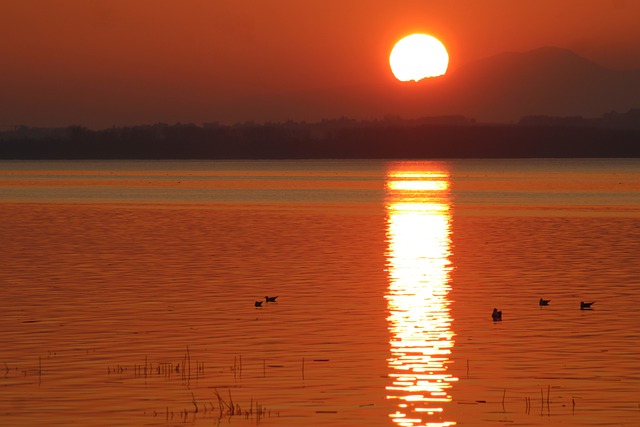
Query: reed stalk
x,y
221,402
231,405
189,363
193,397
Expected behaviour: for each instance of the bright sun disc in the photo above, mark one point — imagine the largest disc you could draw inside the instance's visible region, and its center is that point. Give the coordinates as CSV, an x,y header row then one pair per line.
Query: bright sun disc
x,y
418,56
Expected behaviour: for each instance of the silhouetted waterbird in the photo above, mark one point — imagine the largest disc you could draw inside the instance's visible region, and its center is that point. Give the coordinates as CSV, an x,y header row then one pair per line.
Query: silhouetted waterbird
x,y
258,304
586,305
496,315
270,299
544,301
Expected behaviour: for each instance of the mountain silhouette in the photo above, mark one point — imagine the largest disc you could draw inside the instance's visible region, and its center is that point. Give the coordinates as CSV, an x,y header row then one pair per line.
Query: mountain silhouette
x,y
501,88
548,80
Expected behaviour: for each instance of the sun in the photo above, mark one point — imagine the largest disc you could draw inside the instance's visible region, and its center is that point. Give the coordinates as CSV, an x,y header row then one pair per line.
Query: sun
x,y
418,56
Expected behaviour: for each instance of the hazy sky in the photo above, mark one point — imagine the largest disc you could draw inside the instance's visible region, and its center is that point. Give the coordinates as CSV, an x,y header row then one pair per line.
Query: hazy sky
x,y
117,62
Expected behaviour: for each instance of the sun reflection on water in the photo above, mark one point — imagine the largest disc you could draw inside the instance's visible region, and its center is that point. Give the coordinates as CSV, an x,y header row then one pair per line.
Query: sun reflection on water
x,y
419,247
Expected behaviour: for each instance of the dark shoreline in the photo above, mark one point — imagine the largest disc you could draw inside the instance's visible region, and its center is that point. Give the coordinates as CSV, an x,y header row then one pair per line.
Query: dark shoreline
x,y
450,137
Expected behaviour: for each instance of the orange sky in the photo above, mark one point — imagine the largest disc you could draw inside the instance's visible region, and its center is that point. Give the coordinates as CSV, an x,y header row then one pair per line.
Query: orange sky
x,y
117,62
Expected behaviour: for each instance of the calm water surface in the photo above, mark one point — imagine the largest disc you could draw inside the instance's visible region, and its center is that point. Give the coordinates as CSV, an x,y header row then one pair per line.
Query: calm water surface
x,y
128,291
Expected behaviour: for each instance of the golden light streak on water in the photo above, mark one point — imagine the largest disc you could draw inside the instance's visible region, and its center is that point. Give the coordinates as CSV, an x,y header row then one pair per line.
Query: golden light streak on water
x,y
419,247
417,185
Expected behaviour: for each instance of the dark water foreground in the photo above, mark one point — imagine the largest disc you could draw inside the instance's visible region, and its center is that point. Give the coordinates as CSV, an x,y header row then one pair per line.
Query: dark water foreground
x,y
128,293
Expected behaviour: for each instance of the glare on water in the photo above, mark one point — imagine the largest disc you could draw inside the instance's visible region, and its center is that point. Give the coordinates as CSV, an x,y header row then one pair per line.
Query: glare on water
x,y
418,221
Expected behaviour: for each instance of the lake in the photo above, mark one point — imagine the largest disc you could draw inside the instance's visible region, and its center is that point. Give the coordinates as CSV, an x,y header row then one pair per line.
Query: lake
x,y
129,290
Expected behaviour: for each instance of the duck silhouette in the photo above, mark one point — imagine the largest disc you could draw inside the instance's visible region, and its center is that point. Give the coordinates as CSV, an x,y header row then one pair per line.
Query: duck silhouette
x,y
496,315
258,304
270,299
586,305
544,301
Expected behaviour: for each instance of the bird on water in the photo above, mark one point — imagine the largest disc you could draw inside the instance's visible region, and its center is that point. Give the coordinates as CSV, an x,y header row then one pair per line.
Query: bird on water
x,y
258,304
270,299
496,315
586,305
544,301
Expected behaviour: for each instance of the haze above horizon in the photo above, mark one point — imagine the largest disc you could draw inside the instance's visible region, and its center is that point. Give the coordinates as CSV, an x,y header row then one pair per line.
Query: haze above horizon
x,y
105,63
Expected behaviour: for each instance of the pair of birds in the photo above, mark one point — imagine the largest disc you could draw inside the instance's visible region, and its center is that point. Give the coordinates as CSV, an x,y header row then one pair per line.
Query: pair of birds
x,y
497,314
267,299
583,305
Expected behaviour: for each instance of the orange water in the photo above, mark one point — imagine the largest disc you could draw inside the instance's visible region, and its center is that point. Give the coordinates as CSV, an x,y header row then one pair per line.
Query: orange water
x,y
128,290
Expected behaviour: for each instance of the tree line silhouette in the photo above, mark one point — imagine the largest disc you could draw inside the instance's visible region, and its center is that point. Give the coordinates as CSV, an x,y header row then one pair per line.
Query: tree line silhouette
x,y
391,138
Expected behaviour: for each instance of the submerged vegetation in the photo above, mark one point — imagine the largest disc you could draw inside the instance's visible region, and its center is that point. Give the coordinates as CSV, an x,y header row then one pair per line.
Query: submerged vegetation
x,y
207,402
199,401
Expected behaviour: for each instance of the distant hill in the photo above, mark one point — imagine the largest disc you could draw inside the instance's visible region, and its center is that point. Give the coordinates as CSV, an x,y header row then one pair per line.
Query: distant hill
x,y
502,88
549,81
